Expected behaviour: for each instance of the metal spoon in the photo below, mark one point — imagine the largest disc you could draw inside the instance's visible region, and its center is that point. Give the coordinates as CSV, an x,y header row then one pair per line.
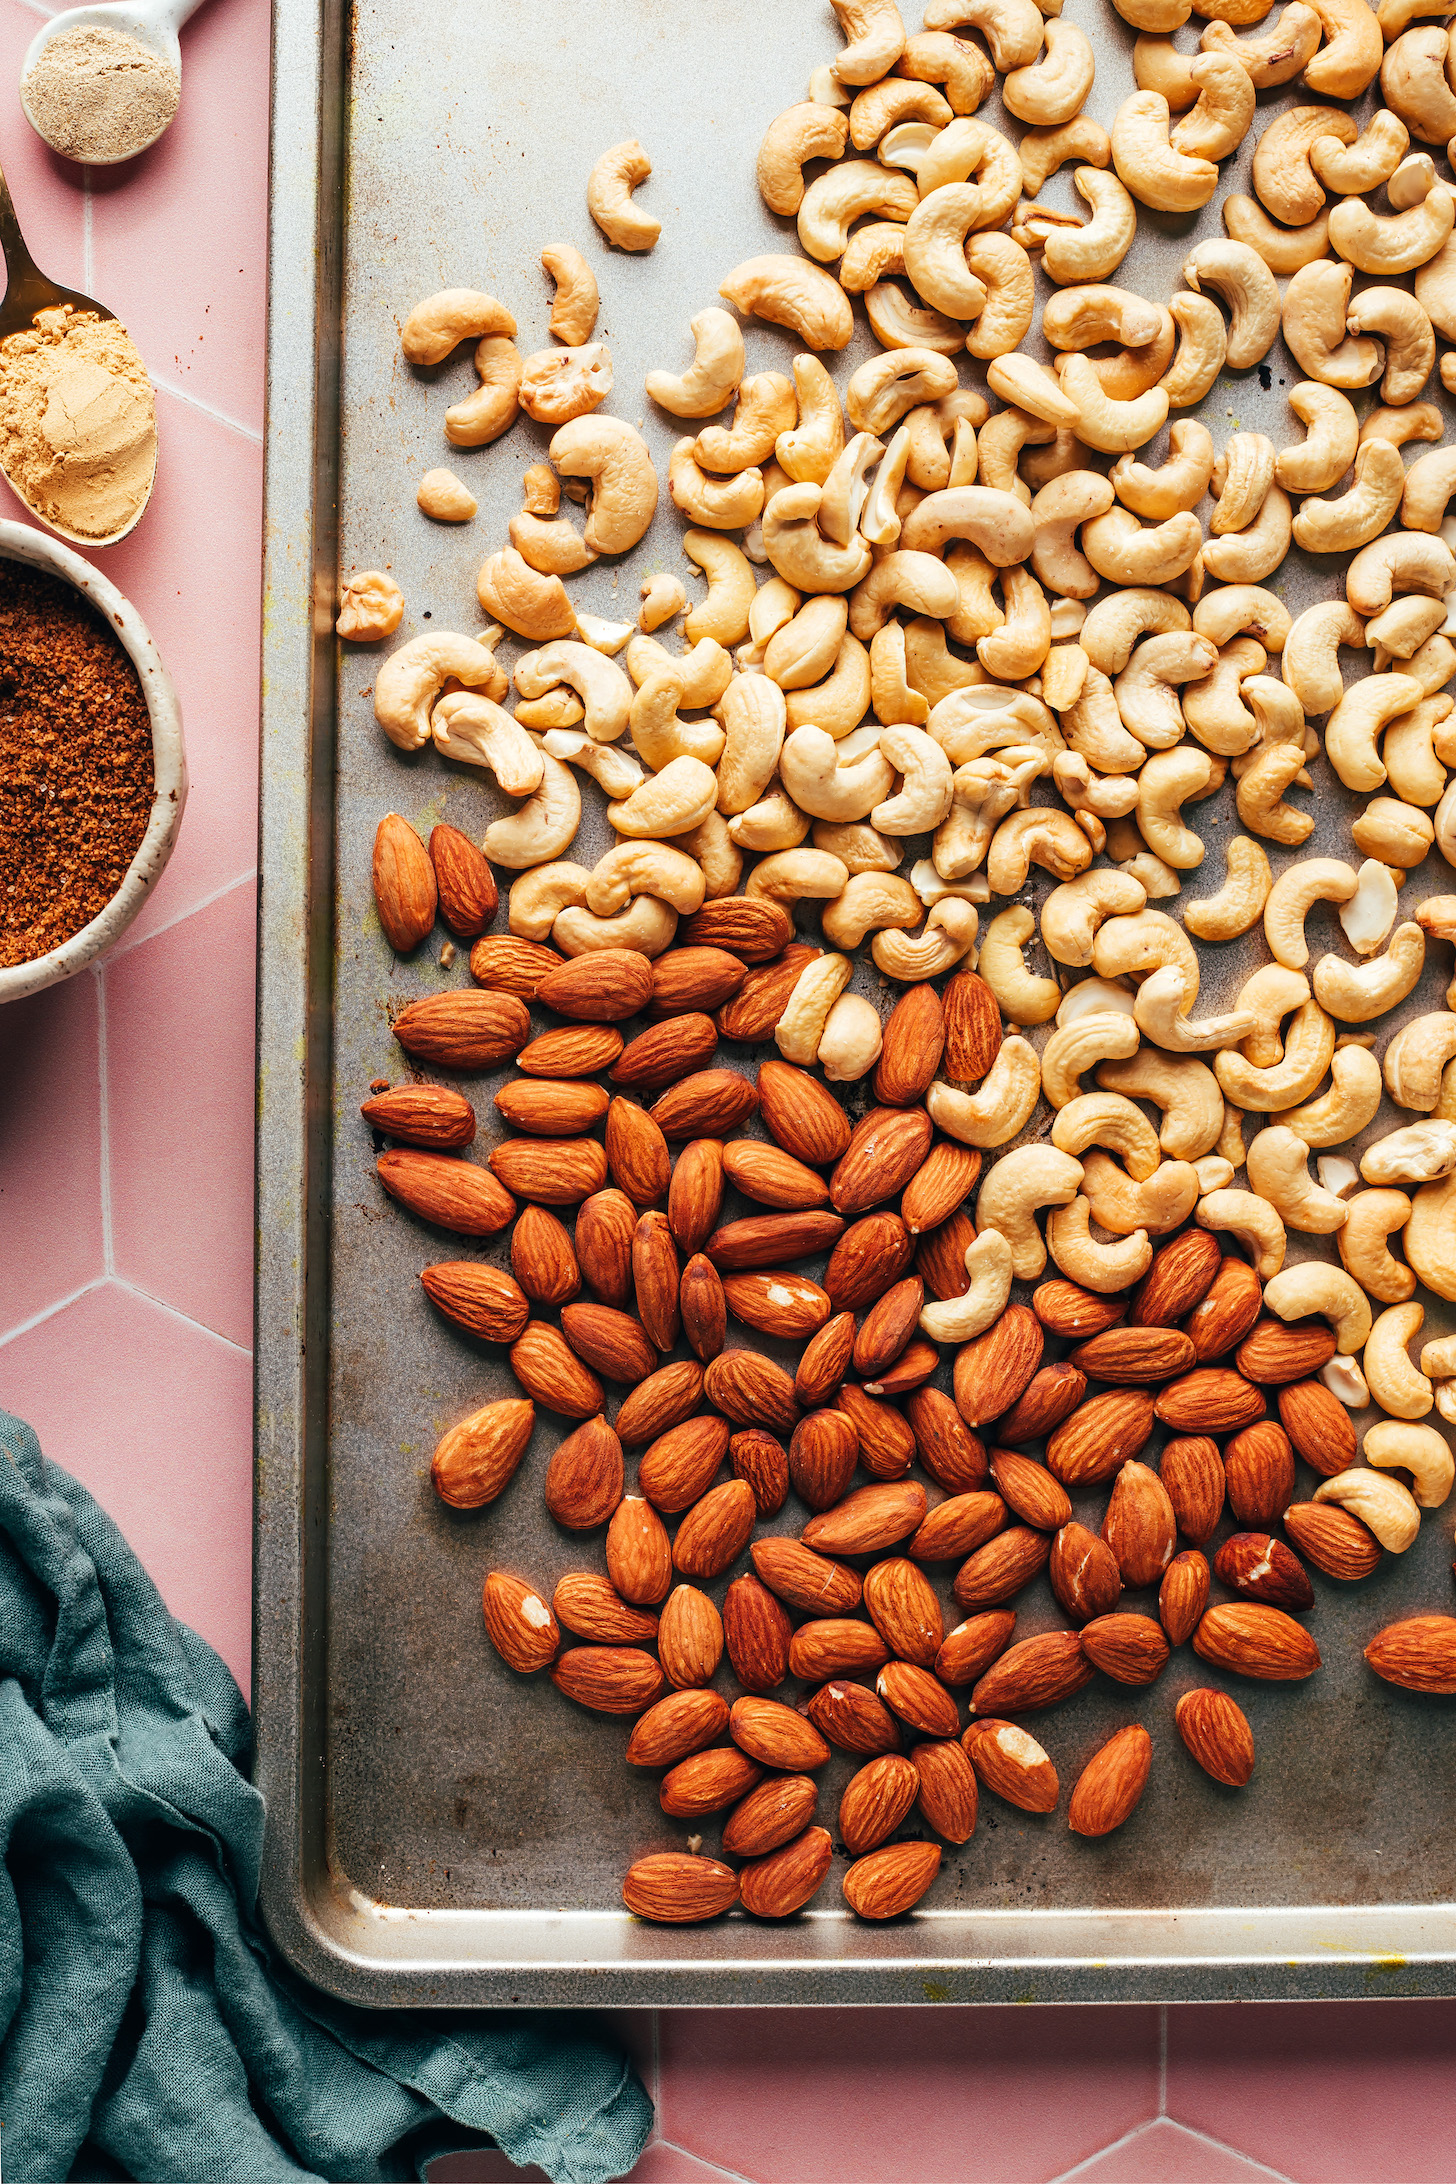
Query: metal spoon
x,y
153,23
28,291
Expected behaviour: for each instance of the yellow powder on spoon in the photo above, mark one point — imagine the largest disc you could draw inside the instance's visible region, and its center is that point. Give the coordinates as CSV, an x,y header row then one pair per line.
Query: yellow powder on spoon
x,y
78,429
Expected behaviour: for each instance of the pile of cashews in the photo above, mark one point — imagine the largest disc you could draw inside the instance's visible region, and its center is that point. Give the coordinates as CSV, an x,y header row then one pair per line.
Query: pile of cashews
x,y
820,716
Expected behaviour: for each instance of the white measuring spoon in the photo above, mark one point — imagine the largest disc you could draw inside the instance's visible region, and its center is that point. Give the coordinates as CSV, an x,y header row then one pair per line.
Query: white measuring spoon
x,y
153,23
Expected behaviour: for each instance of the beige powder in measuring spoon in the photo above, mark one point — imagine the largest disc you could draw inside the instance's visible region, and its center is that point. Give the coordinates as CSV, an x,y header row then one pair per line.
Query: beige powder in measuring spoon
x,y
97,95
78,429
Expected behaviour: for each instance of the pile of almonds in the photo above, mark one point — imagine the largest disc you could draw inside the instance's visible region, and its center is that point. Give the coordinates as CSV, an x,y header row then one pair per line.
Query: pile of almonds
x,y
846,1619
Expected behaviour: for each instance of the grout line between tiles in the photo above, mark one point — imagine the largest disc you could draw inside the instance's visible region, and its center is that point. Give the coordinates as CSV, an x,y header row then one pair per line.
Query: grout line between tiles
x,y
38,1319
737,2176
181,394
1162,2058
103,1087
1222,2146
131,1289
204,902
36,7
1080,2168
656,2088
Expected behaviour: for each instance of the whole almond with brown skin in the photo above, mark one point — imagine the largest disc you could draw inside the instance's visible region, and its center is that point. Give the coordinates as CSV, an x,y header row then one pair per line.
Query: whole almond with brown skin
x,y
481,1299
1002,1568
1319,1426
940,1256
1228,1310
801,1115
863,1523
777,1886
968,1650
904,1610
710,1103
1253,1640
887,1326
752,1390
694,978
1259,1467
809,1582
509,965
430,1115
695,1194
853,1719
601,987
993,1371
950,1452
910,1049
940,1185
1217,1734
1029,1490
605,1226
686,1721
1192,1473
463,1030
773,1177
1182,1273
918,1699
609,1679
549,1370
886,1442
1101,1435
875,1801
707,1782
1135,1356
1418,1654
405,891
1273,1354
1034,1673
888,1145
469,897
550,1172
1075,1314
689,1638
972,1028
1183,1595
703,1307
891,1881
682,1463
1140,1526
655,1279
836,1646
636,1153
542,1259
454,1194
585,1476
663,1399
1051,1395
867,1259
758,1634
772,1239
825,1360
715,1530
751,927
658,1057
1084,1575
1012,1764
591,1607
764,995
764,1462
1259,1567
477,1459
1210,1400
1107,1791
1131,1649
677,1890
948,1793
639,1553
551,1106
771,1815
1336,1542
613,1343
822,1457
910,1370
956,1527
518,1623
787,1306
775,1734
572,1050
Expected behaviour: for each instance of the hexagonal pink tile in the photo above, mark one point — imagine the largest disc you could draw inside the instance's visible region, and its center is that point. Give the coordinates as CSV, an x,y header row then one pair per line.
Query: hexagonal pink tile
x,y
51,1238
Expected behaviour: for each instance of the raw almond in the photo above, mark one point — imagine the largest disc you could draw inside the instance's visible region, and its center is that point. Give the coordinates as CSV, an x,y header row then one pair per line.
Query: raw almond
x,y
590,1607
601,987
890,1881
764,1462
1036,1672
886,1442
572,1050
584,1478
822,1457
693,979
992,1372
1135,1356
876,1799
771,1239
775,1734
836,1646
1002,1568
707,1782
550,1172
469,897
695,1194
888,1145
918,1699
972,1646
548,1370
463,1030
477,1459
863,1523
682,1463
956,1527
509,965
639,1554
867,1259
761,1000
1273,1354
910,1370
1319,1425
887,1327
809,1582
715,1530
1029,1490
542,1259
551,1107
405,891
1182,1273
662,1400
1140,1527
655,1279
1074,1313
1253,1640
1217,1734
679,1890
972,1028
940,1256
686,1721
801,1115
609,1679
825,1360
708,1104
950,1452
752,1390
750,926
773,1177
1259,1468
1418,1654
689,1638
771,1815
853,1719
787,1306
1228,1310
1050,1396
1131,1649
613,1343
910,1048
1012,1764
1193,1476
948,1794
1334,1540
636,1153
758,1635
777,1886
658,1057
481,1299
1210,1400
422,1114
1101,1435
942,1183
1183,1595
606,1224
1084,1575
1107,1791
703,1308
1259,1567
902,1605
518,1623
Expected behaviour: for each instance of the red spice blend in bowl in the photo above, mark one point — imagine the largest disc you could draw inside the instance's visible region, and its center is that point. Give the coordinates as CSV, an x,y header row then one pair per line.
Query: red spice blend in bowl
x,y
76,771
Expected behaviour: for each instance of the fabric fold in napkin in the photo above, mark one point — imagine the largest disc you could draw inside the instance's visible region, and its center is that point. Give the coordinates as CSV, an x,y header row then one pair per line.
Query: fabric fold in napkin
x,y
147,2028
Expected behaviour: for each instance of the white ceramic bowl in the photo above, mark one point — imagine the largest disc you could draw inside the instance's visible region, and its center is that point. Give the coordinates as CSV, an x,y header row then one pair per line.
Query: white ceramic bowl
x,y
18,542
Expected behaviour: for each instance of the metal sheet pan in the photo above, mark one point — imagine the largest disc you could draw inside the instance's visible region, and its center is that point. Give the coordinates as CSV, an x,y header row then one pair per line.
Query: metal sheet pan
x,y
438,1832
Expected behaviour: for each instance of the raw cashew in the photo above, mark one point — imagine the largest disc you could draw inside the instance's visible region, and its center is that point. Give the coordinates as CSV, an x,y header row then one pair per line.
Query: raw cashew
x,y
850,1042
1404,561
624,483
443,321
1356,722
491,410
1284,250
539,895
723,615
1148,166
792,292
1096,249
925,791
614,770
1201,351
795,875
1316,304
1310,659
1395,242
1332,436
837,705
960,1319
1019,995
1158,1012
603,689
1252,1220
544,826
1420,1450
1357,994
876,39
1381,1503
574,306
1343,1112
1239,904
528,601
1173,487
1337,526
1147,700
710,381
871,902
1116,623
1278,56
800,1028
1044,151
1125,1208
670,802
1416,1057
800,552
813,776
609,190
1430,1237
1317,1287
1105,1268
1402,1391
841,195
410,680
1017,1184
1077,1046
947,936
1001,1106
1186,1090
1107,1118
1279,1171
1074,912
1235,271
647,926
1129,553
1410,345
803,132
1374,1216
904,578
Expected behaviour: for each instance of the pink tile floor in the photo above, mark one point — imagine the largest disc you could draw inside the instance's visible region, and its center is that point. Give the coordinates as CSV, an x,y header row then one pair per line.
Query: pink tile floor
x,y
125,1307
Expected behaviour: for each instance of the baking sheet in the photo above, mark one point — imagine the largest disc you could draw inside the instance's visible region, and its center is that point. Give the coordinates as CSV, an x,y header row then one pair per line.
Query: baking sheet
x,y
437,1829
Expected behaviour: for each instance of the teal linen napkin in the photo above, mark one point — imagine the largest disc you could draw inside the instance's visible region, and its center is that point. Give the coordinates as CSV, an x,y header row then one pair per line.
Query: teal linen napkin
x,y
147,2029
